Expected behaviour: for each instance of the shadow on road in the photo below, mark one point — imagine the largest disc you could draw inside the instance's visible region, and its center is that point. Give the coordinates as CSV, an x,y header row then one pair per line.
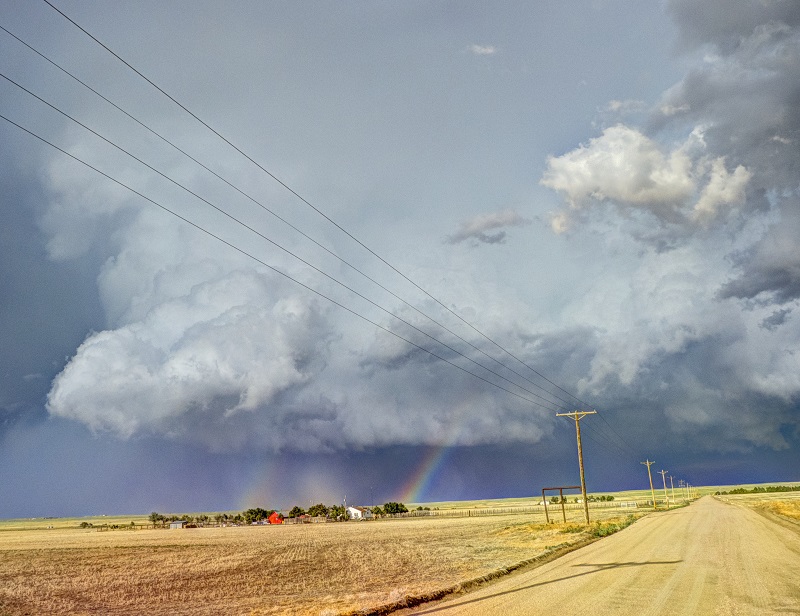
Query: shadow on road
x,y
596,567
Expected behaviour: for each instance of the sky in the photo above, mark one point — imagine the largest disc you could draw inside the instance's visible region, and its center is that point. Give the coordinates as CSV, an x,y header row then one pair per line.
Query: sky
x,y
274,254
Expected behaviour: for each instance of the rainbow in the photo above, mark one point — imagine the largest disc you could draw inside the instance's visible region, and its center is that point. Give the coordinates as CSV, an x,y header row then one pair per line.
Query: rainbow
x,y
418,484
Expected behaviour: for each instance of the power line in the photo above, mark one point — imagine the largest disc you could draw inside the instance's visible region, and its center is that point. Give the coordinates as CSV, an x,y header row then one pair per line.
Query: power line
x,y
618,435
613,438
265,264
602,439
617,438
274,243
292,226
305,201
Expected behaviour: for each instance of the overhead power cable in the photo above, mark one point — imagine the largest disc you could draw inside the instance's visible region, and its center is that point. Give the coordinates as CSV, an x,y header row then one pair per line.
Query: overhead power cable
x,y
308,203
607,438
343,230
283,220
271,241
619,438
602,439
264,263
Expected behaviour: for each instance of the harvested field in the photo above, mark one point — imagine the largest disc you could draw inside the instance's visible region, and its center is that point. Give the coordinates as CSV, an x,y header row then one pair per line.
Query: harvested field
x,y
784,504
292,569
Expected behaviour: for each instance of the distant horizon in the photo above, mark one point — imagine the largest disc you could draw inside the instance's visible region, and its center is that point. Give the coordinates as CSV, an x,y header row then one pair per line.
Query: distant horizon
x,y
571,494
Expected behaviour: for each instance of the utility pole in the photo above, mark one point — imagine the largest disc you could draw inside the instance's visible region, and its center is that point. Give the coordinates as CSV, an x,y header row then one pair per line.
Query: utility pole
x,y
577,416
672,485
648,464
664,479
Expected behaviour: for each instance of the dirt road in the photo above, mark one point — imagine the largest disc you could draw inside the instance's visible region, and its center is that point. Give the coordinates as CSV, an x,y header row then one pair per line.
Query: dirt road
x,y
709,558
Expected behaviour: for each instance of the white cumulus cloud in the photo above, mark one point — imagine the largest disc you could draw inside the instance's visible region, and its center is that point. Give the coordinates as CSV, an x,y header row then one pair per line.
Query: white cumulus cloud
x,y
625,167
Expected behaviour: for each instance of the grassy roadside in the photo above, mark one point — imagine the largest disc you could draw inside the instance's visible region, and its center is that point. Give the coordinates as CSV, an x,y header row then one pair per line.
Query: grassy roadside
x,y
786,509
778,505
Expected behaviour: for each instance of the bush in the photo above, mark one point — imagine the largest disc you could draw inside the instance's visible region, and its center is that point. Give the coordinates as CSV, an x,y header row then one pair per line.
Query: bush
x,y
395,508
338,512
602,530
317,510
572,529
255,515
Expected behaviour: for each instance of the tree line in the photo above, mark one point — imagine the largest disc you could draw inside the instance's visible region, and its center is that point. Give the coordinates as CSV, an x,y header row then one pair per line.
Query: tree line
x,y
338,512
257,514
761,489
555,500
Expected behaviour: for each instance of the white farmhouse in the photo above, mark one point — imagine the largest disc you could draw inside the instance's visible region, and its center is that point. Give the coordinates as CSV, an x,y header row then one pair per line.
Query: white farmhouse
x,y
359,513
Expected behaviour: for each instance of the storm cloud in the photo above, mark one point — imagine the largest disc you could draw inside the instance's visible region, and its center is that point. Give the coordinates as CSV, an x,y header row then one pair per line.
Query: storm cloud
x,y
707,185
219,352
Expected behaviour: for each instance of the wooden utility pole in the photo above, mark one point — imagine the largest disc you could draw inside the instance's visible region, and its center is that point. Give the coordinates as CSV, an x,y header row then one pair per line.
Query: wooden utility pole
x,y
577,416
648,463
664,479
672,485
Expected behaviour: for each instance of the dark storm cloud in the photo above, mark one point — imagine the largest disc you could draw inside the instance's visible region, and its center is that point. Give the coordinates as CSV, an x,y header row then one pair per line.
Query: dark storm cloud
x,y
749,96
746,92
776,319
709,187
722,144
726,24
45,308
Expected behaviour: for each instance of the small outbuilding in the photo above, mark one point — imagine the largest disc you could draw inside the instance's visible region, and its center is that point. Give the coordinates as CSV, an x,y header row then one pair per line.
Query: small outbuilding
x,y
275,518
177,524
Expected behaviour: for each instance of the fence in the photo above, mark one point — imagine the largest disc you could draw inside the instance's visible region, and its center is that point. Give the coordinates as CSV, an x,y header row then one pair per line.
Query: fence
x,y
522,509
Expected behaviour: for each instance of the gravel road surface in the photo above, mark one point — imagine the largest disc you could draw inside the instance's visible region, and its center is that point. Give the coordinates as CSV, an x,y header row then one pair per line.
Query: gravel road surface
x,y
710,558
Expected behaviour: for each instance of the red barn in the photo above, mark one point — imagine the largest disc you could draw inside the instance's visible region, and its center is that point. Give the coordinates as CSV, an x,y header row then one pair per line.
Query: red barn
x,y
275,518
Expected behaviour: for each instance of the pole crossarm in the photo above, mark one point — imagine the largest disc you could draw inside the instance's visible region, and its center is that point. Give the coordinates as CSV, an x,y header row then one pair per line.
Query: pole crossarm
x,y
576,415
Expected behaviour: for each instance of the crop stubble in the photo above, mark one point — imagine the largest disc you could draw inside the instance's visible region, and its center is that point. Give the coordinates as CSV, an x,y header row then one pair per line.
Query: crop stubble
x,y
293,569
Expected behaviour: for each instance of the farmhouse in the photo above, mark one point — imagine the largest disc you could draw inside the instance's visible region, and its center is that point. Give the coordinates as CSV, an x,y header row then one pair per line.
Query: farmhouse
x,y
177,524
359,513
275,518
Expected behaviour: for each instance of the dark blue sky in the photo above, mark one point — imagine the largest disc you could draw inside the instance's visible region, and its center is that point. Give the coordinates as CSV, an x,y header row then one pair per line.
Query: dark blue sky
x,y
607,192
